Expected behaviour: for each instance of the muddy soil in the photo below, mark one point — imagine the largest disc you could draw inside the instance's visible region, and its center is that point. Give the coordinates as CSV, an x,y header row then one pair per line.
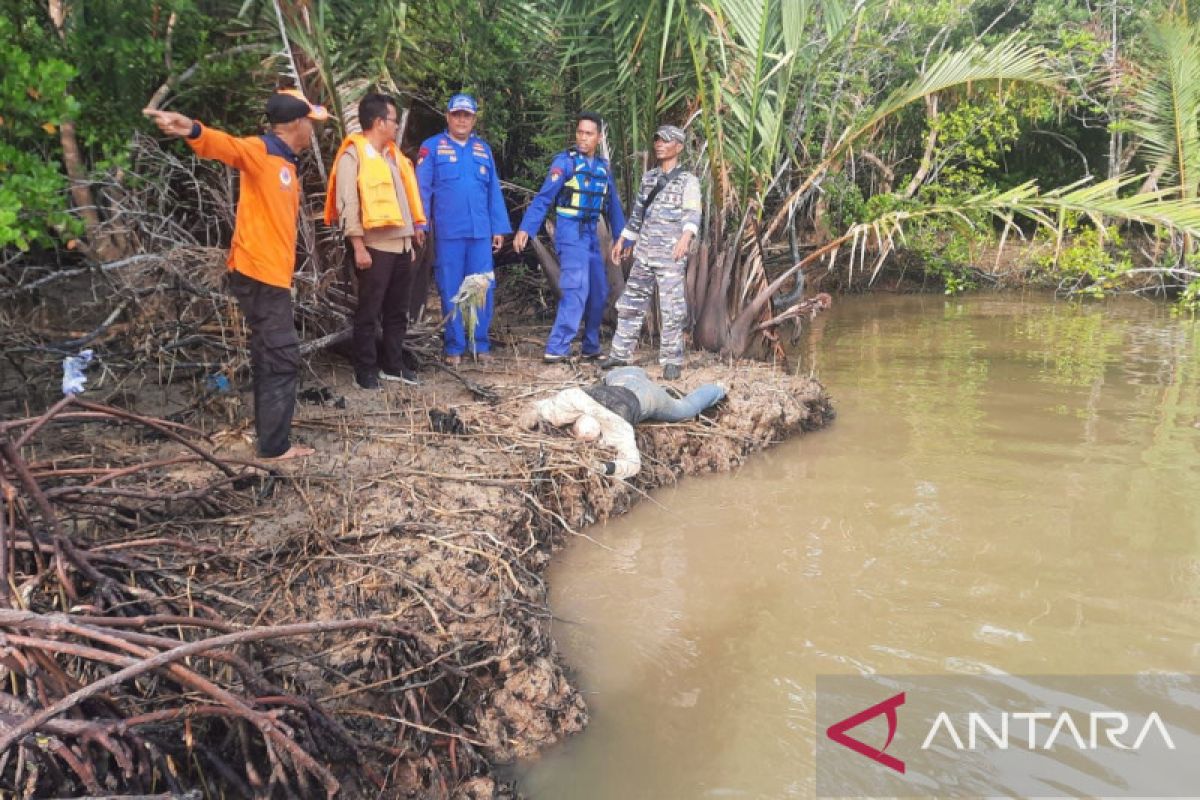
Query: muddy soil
x,y
453,532
444,526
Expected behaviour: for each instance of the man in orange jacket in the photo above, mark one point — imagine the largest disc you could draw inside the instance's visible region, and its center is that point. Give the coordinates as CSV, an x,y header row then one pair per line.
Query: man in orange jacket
x,y
373,195
262,257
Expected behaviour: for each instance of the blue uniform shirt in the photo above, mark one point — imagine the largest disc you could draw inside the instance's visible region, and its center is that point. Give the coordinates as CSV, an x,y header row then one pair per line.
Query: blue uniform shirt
x,y
561,169
460,188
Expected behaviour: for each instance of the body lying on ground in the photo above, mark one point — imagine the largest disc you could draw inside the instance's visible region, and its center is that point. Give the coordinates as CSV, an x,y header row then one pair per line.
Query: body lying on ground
x,y
608,411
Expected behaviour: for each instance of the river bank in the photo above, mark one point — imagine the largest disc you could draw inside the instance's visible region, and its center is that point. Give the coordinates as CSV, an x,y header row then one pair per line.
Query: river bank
x,y
998,463
442,530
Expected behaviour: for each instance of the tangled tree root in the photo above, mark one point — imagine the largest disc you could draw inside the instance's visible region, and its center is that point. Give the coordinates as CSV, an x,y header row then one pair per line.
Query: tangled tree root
x,y
177,616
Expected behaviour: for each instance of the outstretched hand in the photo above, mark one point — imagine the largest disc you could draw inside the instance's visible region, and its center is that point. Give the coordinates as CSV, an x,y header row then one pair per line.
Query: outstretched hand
x,y
169,122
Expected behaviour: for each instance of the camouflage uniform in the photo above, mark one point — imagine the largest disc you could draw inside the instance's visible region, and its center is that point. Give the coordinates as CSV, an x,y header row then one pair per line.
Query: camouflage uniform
x,y
655,232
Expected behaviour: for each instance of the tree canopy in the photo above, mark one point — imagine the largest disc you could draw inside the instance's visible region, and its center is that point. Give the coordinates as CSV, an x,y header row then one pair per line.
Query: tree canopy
x,y
944,129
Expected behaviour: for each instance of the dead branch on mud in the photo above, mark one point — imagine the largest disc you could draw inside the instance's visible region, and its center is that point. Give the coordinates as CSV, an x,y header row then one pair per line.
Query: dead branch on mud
x,y
180,615
175,614
121,666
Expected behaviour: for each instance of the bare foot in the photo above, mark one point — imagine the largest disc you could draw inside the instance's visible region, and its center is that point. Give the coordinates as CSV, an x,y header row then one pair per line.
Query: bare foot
x,y
295,451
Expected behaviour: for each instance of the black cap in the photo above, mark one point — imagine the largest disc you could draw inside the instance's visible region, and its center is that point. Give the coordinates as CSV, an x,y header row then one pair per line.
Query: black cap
x,y
288,105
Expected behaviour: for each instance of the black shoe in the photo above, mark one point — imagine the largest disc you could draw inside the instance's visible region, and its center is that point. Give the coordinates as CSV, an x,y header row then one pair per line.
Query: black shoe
x,y
608,362
671,372
368,381
406,376
551,358
591,356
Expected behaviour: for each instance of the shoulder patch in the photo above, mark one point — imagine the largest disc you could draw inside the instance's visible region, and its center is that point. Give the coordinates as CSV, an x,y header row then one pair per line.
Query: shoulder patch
x,y
556,173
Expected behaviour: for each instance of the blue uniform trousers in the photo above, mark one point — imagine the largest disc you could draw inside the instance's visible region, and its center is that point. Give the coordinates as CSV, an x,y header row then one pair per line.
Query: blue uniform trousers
x,y
584,286
454,260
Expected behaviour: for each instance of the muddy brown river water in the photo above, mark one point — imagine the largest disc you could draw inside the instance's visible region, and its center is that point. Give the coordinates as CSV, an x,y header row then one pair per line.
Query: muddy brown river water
x,y
1011,485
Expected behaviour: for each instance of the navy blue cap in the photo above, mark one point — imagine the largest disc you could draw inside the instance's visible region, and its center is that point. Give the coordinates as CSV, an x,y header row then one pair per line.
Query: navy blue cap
x,y
462,102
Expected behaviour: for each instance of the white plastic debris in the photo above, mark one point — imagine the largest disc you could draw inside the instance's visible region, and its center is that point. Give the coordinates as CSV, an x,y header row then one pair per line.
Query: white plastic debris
x,y
73,367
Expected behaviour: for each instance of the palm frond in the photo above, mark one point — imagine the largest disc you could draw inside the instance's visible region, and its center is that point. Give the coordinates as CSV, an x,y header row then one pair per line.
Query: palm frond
x,y
1169,105
1097,201
1010,60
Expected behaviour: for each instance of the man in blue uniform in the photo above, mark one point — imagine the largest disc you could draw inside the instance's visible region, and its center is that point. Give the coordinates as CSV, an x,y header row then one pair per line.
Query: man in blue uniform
x,y
460,189
580,188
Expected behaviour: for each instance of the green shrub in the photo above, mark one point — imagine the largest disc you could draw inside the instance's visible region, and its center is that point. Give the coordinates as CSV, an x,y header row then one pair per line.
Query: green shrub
x,y
33,103
1096,260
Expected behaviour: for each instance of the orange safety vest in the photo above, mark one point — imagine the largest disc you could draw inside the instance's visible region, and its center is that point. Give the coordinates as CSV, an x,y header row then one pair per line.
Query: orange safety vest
x,y
376,190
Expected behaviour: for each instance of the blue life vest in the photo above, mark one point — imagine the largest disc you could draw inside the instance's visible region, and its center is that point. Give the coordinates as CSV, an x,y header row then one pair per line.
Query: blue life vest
x,y
585,195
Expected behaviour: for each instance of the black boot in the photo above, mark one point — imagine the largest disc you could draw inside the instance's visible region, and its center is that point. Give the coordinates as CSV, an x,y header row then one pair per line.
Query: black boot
x,y
608,362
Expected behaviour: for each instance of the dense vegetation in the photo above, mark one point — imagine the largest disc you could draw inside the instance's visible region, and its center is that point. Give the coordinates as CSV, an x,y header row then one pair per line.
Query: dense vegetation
x,y
830,133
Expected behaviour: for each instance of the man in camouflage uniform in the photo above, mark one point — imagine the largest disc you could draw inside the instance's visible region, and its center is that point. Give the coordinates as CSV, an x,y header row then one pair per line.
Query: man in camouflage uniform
x,y
665,219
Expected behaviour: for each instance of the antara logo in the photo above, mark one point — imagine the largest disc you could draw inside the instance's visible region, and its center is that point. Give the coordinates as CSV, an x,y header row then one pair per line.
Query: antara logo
x,y
1099,726
1113,724
837,732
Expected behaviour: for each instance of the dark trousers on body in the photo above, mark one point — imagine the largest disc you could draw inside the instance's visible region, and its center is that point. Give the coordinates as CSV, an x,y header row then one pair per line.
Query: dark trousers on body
x,y
383,296
274,359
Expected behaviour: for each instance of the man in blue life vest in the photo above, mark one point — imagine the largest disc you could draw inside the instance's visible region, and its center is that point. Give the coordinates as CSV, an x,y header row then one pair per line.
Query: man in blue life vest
x,y
580,188
460,190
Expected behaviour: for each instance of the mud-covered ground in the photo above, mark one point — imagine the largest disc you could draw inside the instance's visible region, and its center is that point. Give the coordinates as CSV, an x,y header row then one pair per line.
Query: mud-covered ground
x,y
444,528
453,531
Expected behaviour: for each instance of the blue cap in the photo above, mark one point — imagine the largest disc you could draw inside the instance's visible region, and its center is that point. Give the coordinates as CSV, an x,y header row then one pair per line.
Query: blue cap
x,y
462,102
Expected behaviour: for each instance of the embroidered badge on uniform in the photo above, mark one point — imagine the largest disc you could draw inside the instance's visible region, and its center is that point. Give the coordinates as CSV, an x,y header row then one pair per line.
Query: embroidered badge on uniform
x,y
285,176
555,174
483,170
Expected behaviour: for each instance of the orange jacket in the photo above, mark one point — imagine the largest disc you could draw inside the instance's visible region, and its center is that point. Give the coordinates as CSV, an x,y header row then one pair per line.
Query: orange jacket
x,y
264,234
378,198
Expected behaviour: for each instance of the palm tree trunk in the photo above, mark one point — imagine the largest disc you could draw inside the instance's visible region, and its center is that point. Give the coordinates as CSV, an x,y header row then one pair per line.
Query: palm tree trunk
x,y
1114,135
82,197
743,325
918,178
295,74
712,319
